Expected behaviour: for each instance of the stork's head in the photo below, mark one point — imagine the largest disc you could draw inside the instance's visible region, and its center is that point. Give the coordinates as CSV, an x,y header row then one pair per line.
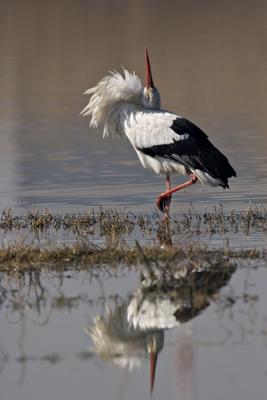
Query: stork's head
x,y
151,96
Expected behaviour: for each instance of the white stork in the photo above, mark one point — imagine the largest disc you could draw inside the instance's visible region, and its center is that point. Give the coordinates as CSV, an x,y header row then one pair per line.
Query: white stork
x,y
165,143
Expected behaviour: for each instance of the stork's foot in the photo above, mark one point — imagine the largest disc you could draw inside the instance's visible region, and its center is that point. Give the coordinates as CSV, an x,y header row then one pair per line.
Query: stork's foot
x,y
163,202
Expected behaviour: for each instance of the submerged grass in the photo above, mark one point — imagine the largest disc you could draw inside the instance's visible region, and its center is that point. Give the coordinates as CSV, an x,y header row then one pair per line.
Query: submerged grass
x,y
104,221
110,224
110,221
24,258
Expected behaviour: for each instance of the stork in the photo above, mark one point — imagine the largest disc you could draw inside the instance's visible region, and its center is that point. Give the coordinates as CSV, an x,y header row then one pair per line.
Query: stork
x,y
165,143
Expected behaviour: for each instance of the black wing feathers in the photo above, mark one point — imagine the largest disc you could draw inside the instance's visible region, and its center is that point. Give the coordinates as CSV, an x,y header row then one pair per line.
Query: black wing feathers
x,y
194,152
183,126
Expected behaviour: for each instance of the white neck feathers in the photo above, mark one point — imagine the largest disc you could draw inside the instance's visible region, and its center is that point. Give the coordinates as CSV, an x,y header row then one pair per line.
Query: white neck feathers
x,y
108,95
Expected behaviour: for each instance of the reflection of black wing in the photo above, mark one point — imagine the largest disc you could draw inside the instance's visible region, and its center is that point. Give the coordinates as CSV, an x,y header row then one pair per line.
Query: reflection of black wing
x,y
194,151
198,288
186,297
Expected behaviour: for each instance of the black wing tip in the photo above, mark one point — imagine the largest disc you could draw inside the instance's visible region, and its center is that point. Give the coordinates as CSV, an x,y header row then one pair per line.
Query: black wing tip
x,y
225,181
231,171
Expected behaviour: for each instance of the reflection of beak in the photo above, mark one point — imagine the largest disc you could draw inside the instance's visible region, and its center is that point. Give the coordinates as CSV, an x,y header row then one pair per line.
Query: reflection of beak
x,y
153,365
149,81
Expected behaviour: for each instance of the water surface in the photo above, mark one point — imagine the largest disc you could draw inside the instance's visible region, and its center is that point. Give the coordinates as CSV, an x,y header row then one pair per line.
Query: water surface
x,y
210,67
219,341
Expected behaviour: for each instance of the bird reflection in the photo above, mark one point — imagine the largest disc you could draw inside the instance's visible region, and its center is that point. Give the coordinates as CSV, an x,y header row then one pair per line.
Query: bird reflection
x,y
119,342
133,331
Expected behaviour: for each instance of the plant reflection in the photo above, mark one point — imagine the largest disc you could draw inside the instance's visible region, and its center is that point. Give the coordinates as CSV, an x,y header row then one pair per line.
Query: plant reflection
x,y
166,298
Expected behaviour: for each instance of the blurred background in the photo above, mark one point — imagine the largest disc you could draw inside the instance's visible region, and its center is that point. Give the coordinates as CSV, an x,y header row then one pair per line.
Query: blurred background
x,y
209,61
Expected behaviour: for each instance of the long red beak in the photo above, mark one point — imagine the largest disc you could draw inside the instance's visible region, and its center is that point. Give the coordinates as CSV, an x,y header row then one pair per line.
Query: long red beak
x,y
153,365
149,81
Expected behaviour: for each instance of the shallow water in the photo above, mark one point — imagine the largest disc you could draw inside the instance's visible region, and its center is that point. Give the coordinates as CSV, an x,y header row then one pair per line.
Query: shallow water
x,y
209,62
218,352
50,157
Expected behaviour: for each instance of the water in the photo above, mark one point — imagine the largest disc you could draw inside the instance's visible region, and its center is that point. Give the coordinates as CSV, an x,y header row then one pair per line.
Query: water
x,y
209,63
213,73
219,348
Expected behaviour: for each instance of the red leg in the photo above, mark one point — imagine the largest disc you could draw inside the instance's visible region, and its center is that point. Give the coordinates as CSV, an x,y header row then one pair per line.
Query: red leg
x,y
166,196
168,183
166,201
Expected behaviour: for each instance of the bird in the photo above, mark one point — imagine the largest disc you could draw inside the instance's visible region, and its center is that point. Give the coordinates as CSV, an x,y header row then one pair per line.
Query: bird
x,y
166,143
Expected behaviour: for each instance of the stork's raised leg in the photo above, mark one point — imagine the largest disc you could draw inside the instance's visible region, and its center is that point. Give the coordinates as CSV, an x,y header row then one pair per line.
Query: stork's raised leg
x,y
164,199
